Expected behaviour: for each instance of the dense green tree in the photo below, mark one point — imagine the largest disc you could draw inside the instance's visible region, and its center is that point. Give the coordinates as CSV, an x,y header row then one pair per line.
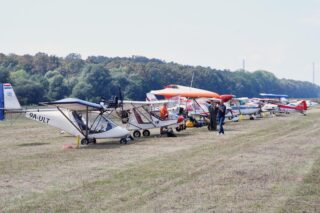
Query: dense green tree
x,y
81,90
96,81
57,87
100,76
73,63
28,91
40,63
26,62
4,74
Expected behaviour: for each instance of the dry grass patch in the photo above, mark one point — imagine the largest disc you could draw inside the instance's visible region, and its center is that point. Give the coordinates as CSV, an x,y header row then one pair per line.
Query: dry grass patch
x,y
255,167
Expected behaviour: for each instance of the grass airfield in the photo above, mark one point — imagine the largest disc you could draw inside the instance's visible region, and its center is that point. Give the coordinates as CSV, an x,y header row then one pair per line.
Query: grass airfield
x,y
265,165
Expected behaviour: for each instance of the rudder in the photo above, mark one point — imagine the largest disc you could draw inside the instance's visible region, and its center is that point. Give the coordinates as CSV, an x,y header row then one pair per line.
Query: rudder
x,y
10,99
302,105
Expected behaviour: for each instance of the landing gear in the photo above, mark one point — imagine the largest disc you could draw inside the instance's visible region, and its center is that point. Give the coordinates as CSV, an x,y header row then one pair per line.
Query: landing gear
x,y
126,140
163,130
137,134
251,118
86,141
235,119
146,133
181,127
123,141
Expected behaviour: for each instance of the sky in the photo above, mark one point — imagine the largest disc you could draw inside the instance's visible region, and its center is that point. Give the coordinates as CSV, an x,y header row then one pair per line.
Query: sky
x,y
280,36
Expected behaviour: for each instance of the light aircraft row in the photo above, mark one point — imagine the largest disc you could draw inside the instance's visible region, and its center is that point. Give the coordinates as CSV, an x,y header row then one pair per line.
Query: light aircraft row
x,y
91,121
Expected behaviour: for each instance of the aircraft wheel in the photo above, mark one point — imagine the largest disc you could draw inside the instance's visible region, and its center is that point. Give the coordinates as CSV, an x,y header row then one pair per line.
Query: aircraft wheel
x,y
84,141
137,134
94,141
123,140
251,118
178,128
146,133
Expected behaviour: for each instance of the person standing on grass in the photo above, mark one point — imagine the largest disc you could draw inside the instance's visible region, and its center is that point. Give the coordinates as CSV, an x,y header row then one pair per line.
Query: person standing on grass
x,y
221,116
163,115
213,109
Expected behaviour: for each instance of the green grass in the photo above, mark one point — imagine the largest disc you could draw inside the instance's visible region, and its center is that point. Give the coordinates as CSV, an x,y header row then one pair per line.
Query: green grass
x,y
261,166
306,198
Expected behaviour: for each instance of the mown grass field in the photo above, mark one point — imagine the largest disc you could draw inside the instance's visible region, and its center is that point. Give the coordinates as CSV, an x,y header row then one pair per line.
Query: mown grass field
x,y
265,165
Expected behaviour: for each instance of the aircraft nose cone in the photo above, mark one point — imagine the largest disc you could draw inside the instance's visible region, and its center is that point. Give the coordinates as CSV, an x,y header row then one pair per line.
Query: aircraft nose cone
x,y
125,131
121,131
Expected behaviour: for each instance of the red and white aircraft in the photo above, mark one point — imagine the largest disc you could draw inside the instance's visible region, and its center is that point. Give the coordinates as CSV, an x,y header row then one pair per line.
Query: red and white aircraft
x,y
193,100
293,107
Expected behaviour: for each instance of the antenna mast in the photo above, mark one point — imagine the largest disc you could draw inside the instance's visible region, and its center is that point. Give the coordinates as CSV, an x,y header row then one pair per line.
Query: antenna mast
x,y
192,79
313,67
243,64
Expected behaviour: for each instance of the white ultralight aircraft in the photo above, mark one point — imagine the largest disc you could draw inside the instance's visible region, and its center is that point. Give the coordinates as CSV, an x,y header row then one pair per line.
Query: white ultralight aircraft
x,y
141,116
74,116
242,106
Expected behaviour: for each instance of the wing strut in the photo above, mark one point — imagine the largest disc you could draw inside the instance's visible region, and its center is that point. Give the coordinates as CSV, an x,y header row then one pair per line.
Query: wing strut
x,y
70,121
87,124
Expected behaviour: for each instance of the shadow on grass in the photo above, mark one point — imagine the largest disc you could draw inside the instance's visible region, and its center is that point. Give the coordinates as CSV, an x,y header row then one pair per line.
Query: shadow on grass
x,y
116,144
103,145
32,144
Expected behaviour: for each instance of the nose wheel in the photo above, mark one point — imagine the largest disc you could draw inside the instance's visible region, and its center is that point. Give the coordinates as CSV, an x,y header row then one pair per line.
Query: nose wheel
x,y
126,140
123,141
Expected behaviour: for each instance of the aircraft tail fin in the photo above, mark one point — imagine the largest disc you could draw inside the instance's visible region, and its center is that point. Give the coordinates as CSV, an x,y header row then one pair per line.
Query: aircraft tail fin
x,y
8,99
151,97
302,105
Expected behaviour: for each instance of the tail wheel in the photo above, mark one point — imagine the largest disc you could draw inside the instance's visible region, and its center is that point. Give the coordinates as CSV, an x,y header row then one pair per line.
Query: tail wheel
x,y
137,134
146,133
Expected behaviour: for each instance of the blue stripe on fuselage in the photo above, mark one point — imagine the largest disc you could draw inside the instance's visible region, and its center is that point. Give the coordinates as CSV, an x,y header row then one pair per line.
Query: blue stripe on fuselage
x,y
243,107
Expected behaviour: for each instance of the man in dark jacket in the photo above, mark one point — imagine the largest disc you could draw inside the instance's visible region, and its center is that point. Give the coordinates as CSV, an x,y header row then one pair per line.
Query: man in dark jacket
x,y
221,117
213,110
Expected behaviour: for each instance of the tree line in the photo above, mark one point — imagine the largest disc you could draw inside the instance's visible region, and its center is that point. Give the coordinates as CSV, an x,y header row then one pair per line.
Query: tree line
x,y
44,77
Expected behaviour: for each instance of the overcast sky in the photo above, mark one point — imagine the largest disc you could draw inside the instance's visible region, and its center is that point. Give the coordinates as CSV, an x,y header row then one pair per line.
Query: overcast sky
x,y
281,36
